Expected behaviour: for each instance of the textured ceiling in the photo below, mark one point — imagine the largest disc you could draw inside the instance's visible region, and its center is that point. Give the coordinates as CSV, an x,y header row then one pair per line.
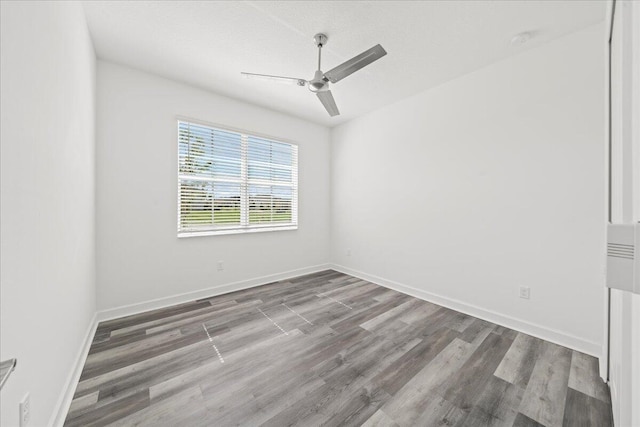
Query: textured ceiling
x,y
208,43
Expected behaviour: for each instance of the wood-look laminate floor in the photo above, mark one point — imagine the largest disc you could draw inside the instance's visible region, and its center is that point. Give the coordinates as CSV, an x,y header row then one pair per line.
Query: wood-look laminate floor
x,y
329,349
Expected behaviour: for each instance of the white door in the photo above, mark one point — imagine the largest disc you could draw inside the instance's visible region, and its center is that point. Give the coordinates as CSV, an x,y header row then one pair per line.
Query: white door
x,y
624,339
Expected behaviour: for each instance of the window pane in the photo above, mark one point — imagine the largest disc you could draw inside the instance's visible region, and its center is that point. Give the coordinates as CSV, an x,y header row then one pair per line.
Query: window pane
x,y
270,204
207,152
206,204
269,160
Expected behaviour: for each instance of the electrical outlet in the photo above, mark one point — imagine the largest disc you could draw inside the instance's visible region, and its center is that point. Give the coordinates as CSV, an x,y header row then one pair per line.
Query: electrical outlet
x,y
25,410
220,265
525,292
348,252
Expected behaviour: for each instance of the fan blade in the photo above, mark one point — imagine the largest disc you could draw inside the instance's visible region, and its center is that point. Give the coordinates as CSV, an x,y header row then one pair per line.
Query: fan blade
x,y
354,64
329,103
280,79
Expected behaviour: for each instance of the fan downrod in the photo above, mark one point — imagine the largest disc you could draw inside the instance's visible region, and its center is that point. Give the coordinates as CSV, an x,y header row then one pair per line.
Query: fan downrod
x,y
319,83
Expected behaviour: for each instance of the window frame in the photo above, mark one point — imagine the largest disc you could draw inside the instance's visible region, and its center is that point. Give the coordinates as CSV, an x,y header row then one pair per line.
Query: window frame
x,y
244,227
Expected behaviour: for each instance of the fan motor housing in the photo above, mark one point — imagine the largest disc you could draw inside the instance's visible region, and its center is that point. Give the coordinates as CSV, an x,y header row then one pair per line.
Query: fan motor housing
x,y
318,83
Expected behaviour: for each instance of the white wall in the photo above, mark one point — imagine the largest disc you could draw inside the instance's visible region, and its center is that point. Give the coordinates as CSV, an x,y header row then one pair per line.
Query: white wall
x,y
465,192
139,256
47,201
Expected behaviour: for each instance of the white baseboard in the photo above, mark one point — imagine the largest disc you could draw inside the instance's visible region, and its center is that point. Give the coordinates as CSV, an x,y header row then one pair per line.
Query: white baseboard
x,y
64,401
548,334
155,304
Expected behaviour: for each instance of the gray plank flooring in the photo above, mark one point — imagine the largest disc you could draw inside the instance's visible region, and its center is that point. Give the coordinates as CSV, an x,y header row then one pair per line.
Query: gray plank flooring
x,y
329,349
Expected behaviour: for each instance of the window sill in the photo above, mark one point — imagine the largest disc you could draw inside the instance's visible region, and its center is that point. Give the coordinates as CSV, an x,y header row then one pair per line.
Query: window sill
x,y
186,234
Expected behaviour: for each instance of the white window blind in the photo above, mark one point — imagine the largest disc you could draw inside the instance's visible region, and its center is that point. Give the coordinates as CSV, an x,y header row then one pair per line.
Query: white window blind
x,y
230,181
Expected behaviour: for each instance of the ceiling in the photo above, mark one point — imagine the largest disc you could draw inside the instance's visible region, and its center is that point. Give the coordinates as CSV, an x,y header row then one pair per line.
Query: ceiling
x,y
208,43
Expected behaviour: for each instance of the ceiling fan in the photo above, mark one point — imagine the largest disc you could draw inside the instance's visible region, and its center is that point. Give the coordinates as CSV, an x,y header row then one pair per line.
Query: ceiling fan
x,y
320,82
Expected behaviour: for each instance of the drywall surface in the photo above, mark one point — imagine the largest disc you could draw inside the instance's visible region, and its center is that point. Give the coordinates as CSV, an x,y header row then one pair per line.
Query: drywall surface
x,y
47,201
490,182
140,257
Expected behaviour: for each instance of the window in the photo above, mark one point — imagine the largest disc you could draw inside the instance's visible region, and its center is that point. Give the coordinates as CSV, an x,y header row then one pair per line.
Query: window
x,y
232,182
